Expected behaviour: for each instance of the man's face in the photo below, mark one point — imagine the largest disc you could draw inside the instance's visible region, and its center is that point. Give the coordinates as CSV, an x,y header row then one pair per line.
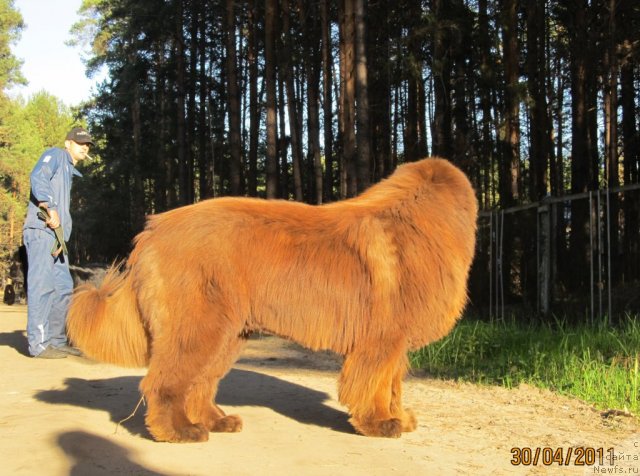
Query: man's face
x,y
77,151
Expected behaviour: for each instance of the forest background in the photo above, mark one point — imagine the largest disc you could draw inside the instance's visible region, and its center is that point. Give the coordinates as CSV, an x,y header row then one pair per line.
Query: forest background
x,y
314,101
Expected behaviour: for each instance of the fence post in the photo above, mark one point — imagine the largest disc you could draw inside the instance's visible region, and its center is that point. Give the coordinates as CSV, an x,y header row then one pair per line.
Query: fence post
x,y
544,258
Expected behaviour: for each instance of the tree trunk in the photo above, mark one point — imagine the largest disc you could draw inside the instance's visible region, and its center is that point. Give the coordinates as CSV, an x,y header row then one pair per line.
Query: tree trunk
x,y
340,94
362,89
348,98
293,110
205,185
308,21
610,66
138,205
537,79
486,84
191,102
233,97
270,83
580,146
180,113
462,110
511,157
327,75
557,167
442,88
254,114
165,197
610,101
630,144
380,81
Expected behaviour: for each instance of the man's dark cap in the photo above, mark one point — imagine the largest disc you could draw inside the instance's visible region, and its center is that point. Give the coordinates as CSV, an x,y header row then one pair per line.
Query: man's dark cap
x,y
79,135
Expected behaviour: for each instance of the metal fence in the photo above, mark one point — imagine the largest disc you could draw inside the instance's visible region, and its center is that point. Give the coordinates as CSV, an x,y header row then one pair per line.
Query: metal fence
x,y
574,256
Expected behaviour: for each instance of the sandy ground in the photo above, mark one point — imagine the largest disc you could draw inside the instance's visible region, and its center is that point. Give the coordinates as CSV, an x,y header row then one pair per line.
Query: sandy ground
x,y
59,417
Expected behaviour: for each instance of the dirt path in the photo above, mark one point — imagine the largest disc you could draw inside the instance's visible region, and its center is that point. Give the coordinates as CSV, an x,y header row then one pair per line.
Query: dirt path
x,y
59,417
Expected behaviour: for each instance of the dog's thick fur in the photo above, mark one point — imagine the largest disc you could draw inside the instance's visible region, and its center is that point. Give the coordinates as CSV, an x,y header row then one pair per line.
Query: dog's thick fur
x,y
369,278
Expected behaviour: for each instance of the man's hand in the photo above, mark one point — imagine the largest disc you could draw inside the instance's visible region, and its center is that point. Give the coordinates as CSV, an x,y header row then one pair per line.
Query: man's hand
x,y
54,221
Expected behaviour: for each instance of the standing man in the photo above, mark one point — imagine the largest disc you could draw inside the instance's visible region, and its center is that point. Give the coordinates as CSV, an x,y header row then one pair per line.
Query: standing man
x,y
50,285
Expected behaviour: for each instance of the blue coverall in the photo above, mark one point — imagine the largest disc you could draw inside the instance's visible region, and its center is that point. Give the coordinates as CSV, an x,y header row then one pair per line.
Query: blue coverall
x,y
49,282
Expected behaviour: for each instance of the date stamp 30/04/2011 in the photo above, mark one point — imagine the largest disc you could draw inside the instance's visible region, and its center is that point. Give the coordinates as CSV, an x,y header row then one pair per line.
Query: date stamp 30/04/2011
x,y
570,456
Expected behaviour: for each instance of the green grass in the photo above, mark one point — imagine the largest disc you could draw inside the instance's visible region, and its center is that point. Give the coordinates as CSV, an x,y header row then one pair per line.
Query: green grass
x,y
598,364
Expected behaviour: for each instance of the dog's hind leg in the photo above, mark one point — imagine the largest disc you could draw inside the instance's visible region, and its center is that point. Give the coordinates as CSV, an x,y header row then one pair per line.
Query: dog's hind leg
x,y
406,416
166,418
200,404
181,367
366,387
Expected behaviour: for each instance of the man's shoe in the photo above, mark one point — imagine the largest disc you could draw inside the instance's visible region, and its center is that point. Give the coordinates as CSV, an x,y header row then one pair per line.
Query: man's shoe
x,y
51,353
67,349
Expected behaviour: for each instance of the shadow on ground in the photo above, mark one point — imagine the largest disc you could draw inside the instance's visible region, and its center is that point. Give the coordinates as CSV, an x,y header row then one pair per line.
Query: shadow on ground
x,y
16,340
91,454
119,396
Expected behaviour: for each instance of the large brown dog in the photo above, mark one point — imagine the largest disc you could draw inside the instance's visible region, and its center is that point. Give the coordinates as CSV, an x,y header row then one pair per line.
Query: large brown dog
x,y
369,278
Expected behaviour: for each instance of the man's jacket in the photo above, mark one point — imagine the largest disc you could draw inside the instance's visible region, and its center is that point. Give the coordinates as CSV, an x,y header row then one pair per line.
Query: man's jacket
x,y
51,180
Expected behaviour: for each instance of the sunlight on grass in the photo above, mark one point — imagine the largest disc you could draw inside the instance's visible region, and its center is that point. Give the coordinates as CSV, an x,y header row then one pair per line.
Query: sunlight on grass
x,y
598,364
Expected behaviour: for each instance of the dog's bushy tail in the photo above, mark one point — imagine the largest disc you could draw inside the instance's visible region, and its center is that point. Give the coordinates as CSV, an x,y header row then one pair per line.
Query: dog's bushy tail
x,y
105,322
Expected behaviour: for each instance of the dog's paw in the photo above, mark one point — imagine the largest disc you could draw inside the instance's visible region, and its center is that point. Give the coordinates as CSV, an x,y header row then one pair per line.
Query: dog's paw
x,y
185,434
409,422
190,434
227,424
391,428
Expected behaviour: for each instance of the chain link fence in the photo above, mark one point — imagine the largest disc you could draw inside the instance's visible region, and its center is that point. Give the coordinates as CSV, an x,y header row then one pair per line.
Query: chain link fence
x,y
575,257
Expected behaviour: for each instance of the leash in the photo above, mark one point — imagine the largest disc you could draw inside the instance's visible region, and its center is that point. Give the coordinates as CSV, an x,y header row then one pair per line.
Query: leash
x,y
59,244
132,414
